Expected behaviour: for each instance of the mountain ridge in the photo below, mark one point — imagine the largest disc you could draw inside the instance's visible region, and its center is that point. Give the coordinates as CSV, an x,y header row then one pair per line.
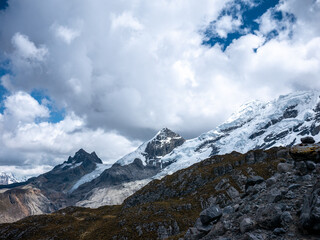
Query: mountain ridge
x,y
83,180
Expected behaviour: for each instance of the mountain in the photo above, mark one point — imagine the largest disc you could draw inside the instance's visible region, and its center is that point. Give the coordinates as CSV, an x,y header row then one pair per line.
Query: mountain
x,y
257,125
84,181
8,178
262,194
128,174
49,191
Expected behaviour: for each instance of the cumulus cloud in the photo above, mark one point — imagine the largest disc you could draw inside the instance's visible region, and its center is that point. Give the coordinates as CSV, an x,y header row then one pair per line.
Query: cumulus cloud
x,y
126,69
40,144
26,49
66,34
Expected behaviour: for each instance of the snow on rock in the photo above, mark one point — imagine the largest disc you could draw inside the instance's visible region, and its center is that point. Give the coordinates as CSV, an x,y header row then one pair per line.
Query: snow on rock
x,y
112,195
280,122
90,176
152,151
8,178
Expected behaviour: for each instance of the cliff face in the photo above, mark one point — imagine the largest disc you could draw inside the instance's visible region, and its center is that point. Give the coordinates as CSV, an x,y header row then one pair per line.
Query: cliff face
x,y
263,194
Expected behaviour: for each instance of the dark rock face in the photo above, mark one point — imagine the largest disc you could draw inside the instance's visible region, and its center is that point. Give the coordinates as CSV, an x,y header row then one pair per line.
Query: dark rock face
x,y
310,213
308,140
163,144
290,112
63,176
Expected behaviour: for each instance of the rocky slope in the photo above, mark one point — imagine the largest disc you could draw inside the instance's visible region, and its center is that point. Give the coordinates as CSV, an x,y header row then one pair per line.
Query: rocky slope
x,y
263,194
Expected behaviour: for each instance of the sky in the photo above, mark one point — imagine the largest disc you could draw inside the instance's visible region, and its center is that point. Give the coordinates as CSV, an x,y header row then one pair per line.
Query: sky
x,y
107,75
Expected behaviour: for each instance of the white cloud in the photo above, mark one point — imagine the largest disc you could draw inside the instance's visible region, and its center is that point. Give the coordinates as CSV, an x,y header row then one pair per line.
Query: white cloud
x,y
66,34
42,144
26,49
125,20
134,67
22,107
226,25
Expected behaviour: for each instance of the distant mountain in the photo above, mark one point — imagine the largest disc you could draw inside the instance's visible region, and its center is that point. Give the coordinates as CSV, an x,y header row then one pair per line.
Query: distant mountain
x,y
128,174
8,178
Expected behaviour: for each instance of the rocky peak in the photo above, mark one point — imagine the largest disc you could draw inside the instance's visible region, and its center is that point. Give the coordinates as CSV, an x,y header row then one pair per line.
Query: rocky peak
x,y
162,144
82,156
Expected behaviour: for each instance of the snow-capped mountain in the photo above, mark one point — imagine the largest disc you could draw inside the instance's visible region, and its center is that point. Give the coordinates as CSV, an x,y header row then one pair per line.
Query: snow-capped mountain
x,y
281,122
83,180
8,178
128,174
153,150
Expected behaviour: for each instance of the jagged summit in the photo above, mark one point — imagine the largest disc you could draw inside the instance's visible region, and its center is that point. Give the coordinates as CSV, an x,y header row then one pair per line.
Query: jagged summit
x,y
152,151
82,156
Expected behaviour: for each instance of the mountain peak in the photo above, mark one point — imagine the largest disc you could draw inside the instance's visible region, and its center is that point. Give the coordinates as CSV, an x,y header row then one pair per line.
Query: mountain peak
x,y
165,133
81,156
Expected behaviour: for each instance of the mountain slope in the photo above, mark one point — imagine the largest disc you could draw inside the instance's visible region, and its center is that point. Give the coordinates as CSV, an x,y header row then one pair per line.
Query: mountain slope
x,y
256,125
263,194
47,192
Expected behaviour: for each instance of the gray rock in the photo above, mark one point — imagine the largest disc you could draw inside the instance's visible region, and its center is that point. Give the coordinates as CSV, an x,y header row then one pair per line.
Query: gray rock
x,y
284,167
193,234
307,140
246,225
274,195
279,231
271,181
294,186
218,229
310,165
286,218
211,213
269,216
254,236
253,181
301,168
201,227
233,193
310,212
228,210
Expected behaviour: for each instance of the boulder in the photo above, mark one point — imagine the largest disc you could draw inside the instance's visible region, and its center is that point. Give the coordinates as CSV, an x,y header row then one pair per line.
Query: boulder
x,y
301,168
246,225
253,181
310,213
269,216
201,227
308,140
210,214
306,152
284,167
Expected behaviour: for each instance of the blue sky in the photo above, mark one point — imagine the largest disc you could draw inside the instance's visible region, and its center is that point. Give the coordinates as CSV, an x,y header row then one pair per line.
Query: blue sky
x,y
105,76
